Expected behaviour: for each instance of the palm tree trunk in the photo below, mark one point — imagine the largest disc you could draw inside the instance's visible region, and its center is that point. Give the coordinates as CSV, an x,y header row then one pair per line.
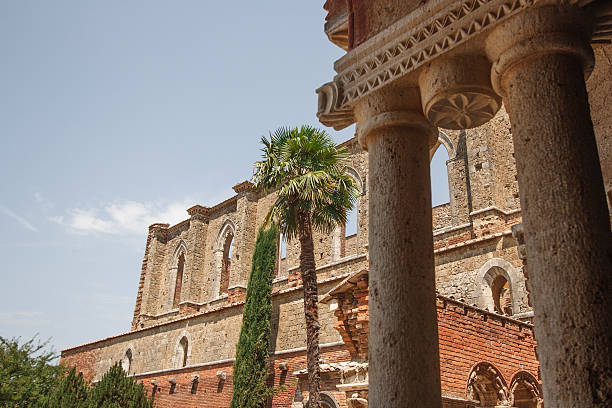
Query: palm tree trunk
x,y
311,312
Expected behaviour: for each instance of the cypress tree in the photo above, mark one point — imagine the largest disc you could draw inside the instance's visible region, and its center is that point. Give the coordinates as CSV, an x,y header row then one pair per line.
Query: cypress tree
x,y
117,390
251,365
70,392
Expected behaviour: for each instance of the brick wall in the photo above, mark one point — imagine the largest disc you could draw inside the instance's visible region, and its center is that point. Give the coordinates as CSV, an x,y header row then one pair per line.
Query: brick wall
x,y
468,336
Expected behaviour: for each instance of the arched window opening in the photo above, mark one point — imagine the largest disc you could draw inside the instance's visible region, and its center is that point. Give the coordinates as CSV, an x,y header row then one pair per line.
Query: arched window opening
x,y
348,241
281,255
350,228
126,362
179,281
487,386
439,177
226,263
327,402
500,291
182,351
525,391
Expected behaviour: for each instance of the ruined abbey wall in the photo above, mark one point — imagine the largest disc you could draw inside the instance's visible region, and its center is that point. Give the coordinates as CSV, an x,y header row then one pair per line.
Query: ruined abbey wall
x,y
472,240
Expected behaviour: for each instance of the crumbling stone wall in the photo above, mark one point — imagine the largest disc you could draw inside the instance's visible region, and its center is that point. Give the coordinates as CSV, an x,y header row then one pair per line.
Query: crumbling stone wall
x,y
470,232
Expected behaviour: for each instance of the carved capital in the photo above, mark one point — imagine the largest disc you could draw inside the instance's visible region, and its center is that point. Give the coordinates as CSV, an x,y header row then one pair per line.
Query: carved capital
x,y
410,119
457,94
537,32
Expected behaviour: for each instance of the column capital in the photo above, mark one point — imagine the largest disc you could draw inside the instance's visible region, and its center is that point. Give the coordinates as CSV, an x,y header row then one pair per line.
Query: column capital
x,y
402,118
393,106
538,31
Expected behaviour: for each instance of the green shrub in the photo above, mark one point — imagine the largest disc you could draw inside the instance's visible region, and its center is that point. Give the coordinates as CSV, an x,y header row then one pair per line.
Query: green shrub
x,y
70,392
117,390
251,365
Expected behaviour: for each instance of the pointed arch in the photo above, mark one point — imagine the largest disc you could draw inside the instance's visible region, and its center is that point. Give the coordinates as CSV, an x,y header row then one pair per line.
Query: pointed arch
x,y
228,227
177,269
525,391
127,361
444,140
346,238
182,350
486,385
223,258
498,287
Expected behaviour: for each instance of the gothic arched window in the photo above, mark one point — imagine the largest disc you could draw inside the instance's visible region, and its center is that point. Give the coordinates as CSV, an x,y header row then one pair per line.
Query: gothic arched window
x,y
487,386
126,361
179,281
226,263
525,391
500,291
182,352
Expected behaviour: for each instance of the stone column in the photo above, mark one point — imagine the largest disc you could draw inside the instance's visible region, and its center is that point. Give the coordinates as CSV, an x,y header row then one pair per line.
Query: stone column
x,y
403,347
539,60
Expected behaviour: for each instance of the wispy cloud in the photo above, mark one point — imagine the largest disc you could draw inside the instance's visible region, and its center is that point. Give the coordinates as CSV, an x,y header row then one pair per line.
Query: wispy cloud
x,y
20,317
123,217
18,218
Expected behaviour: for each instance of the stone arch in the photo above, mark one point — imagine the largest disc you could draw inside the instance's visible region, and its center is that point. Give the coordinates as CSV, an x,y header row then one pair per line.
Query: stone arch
x,y
177,269
328,400
525,391
488,281
351,228
445,141
182,350
127,361
223,250
487,386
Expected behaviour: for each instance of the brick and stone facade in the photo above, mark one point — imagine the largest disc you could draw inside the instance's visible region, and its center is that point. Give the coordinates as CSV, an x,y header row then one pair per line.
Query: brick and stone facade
x,y
193,281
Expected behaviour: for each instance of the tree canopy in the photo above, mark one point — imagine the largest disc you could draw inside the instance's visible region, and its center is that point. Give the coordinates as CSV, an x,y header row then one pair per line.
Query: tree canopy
x,y
27,372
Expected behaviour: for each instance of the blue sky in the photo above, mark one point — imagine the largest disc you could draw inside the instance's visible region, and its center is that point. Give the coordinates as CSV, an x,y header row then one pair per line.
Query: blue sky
x,y
116,114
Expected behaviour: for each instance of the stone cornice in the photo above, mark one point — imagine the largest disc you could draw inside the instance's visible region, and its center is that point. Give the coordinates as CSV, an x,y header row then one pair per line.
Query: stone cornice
x,y
199,211
243,187
404,47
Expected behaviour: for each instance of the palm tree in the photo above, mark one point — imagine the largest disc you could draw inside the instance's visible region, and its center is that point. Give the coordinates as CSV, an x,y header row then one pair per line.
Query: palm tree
x,y
306,169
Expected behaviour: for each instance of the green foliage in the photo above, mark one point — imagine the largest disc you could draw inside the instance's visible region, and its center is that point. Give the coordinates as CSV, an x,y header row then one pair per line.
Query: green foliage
x,y
117,390
70,392
27,374
251,365
307,168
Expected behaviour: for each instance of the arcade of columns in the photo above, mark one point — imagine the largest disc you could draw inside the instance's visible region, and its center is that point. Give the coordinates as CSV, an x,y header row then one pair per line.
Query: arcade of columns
x,y
450,64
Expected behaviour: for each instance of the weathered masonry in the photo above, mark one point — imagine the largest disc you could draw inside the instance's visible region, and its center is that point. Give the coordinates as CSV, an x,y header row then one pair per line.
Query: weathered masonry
x,y
193,281
414,66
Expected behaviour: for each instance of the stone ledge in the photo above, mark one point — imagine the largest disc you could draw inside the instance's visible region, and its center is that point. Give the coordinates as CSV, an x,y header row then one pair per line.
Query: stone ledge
x,y
166,371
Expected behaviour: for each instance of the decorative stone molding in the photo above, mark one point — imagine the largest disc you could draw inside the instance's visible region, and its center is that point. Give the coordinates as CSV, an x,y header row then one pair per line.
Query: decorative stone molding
x,y
456,93
404,47
398,118
243,187
329,112
487,386
487,272
416,40
539,31
221,375
526,383
159,230
200,212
